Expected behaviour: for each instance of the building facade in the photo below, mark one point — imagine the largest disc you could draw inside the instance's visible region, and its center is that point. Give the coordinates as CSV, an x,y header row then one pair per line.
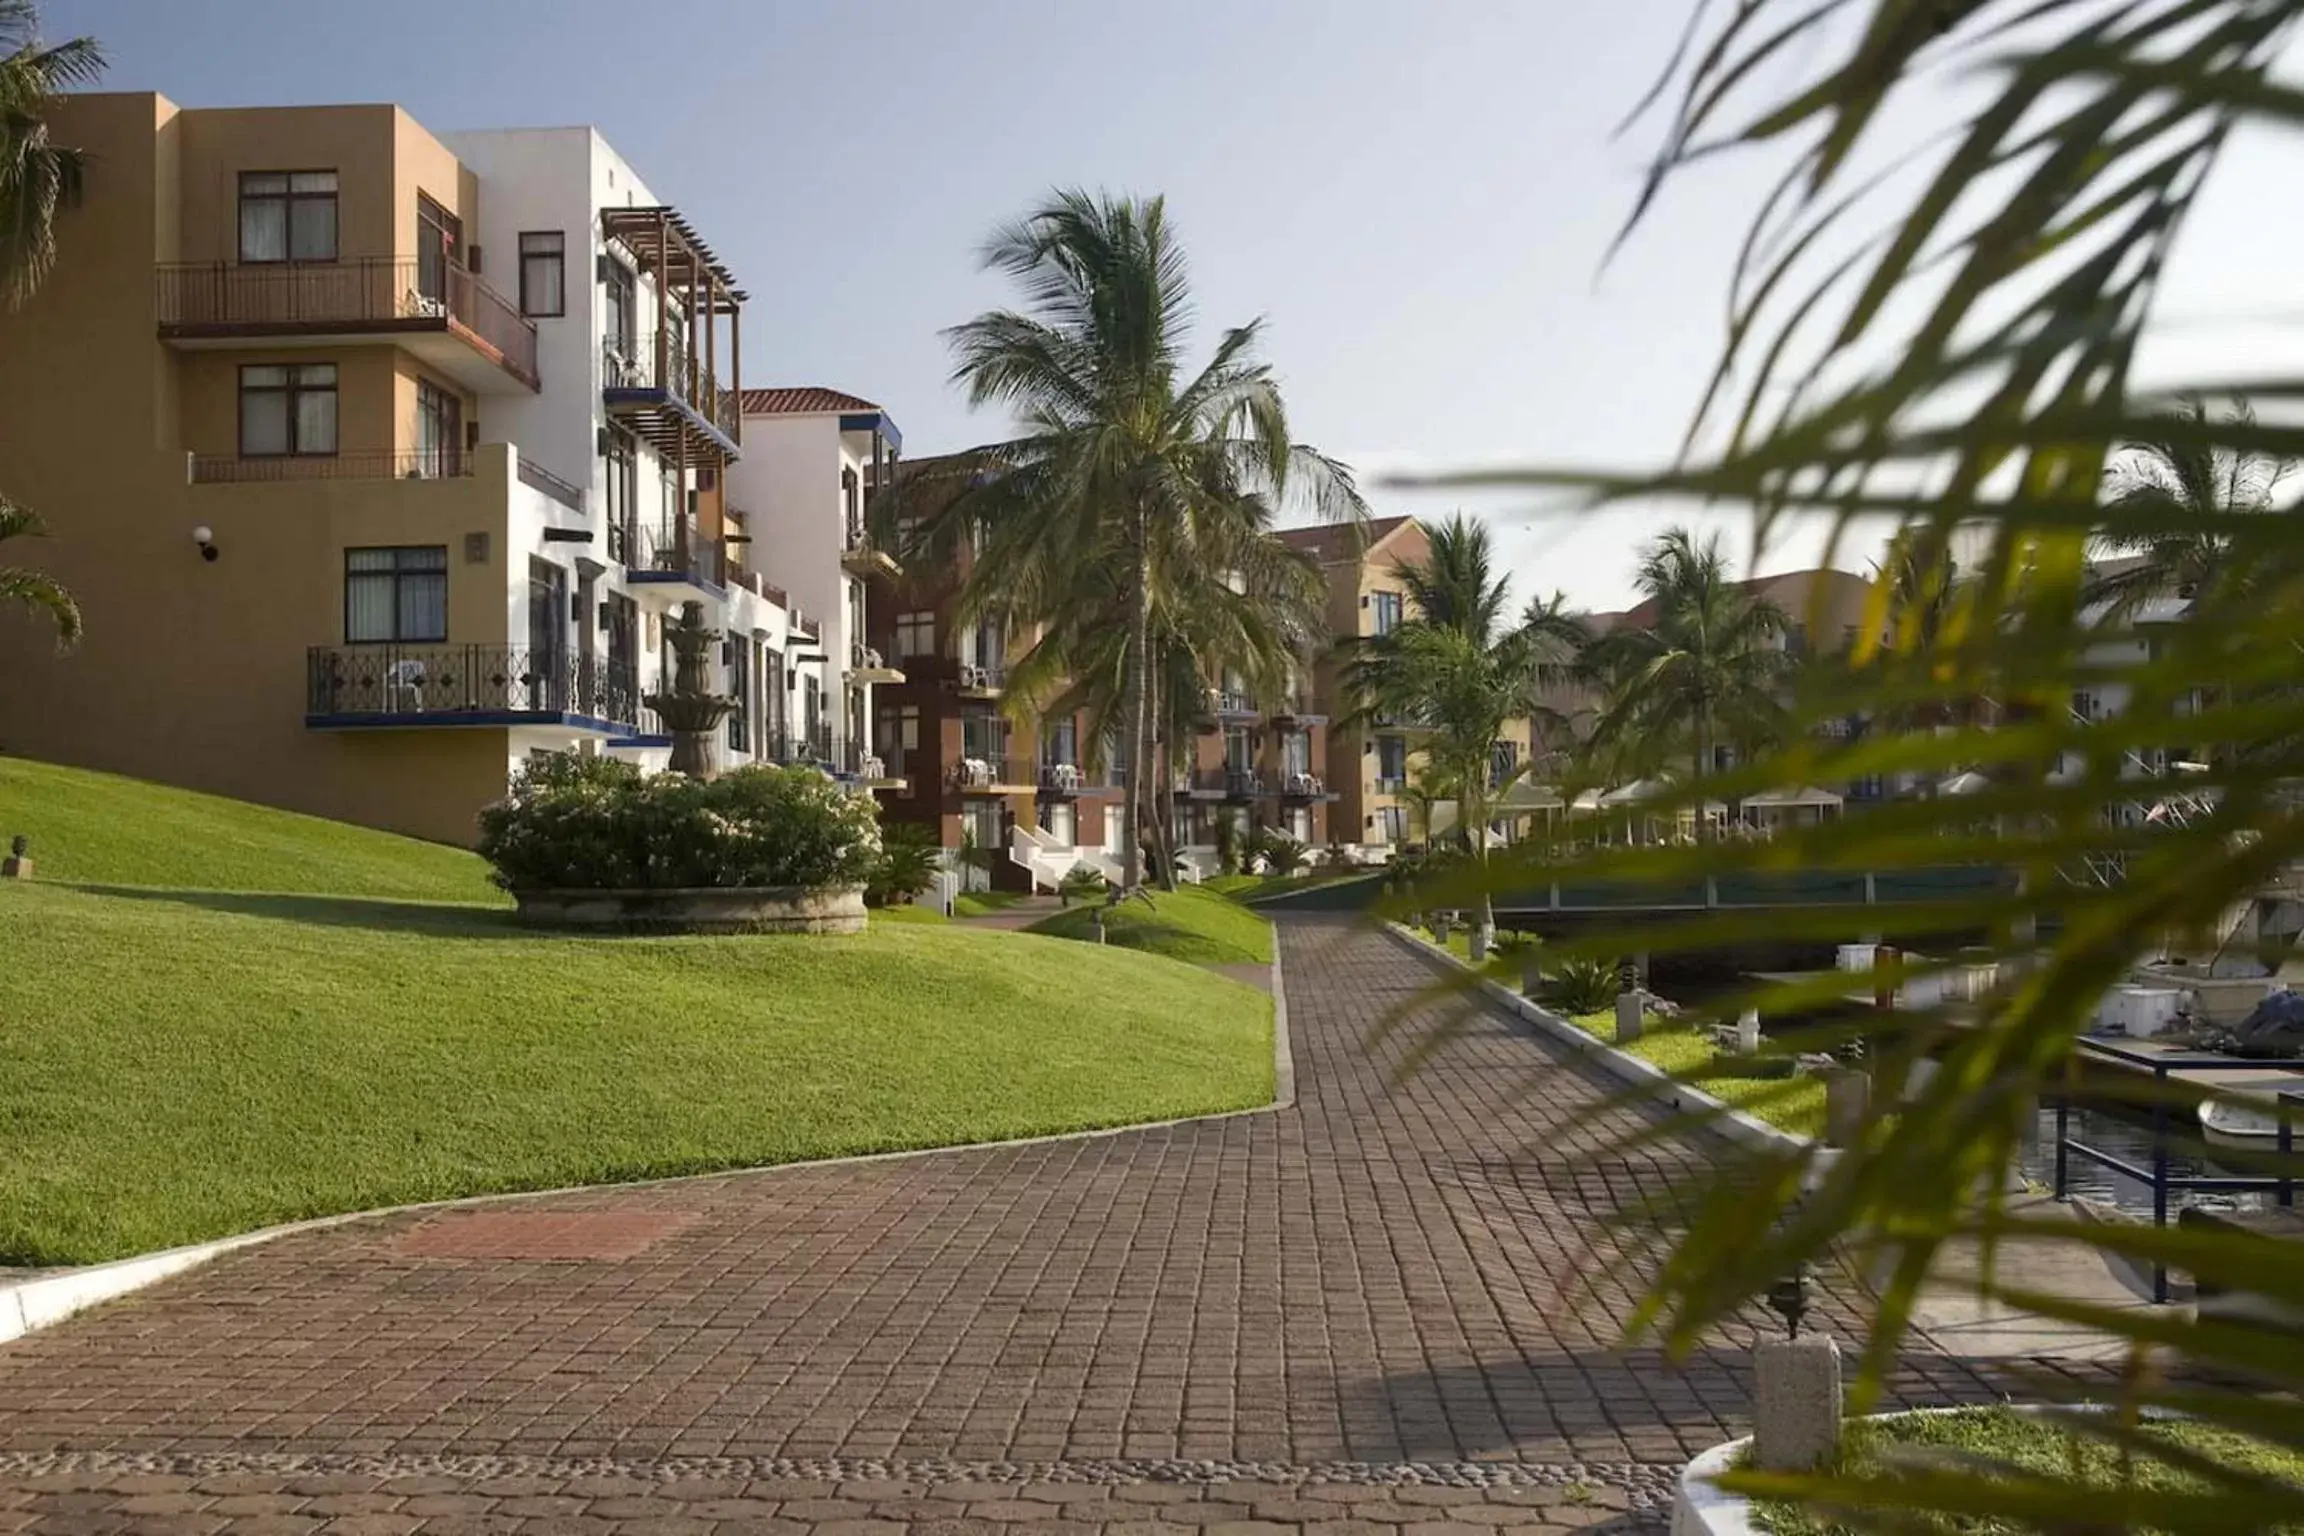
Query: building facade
x,y
378,461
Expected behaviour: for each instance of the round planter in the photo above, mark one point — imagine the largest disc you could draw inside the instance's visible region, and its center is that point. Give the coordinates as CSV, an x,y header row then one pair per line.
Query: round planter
x,y
702,909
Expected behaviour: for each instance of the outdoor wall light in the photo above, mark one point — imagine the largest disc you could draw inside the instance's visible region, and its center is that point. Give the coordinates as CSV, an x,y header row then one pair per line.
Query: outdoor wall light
x,y
205,537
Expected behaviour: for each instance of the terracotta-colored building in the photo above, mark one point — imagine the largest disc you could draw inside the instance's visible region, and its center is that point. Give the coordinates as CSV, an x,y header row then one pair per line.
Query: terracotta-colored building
x,y
377,459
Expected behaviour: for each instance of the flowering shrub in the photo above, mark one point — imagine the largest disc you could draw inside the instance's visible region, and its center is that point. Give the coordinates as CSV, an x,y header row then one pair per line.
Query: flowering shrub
x,y
596,823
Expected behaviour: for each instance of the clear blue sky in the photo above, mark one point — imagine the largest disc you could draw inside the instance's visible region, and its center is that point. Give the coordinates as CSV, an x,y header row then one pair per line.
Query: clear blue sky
x,y
1416,193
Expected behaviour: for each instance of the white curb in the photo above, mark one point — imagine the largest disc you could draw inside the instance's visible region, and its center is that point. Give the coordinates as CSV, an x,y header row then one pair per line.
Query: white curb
x,y
1733,1123
1699,1507
49,1298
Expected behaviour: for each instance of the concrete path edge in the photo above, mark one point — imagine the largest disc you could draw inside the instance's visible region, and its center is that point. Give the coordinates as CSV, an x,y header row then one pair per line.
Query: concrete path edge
x,y
49,1298
1733,1123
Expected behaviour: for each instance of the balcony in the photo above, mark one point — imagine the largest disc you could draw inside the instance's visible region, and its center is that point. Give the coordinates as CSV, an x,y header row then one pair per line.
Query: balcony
x,y
1295,709
666,396
979,680
1221,784
416,464
973,775
865,665
1231,704
860,557
842,758
1299,785
439,312
352,687
1061,781
677,560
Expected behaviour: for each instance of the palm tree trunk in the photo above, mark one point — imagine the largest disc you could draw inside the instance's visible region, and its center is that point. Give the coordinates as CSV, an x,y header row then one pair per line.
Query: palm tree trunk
x,y
1475,803
1139,759
1160,711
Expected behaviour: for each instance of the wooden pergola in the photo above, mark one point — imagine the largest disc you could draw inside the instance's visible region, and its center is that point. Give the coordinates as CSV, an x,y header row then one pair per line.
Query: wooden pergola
x,y
667,249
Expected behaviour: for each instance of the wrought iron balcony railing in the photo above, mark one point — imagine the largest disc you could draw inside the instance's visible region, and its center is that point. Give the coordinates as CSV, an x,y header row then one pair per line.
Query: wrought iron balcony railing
x,y
990,773
680,548
447,681
410,464
362,293
664,362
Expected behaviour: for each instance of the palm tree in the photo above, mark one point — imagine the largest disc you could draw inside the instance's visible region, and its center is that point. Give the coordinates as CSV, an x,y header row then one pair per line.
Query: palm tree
x,y
2178,476
1256,618
30,588
1121,458
39,178
1706,669
1458,674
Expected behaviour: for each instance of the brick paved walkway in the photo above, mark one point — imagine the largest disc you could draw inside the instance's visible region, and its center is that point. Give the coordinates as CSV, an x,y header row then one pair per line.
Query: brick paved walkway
x,y
1385,1274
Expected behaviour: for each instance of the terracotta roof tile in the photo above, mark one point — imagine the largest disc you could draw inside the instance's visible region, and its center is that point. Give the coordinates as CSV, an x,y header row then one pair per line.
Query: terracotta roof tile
x,y
1331,542
801,401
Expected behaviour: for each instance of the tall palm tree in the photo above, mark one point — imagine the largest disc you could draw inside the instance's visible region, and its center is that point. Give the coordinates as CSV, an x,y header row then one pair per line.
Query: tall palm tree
x,y
1707,668
39,178
1457,673
1256,618
30,589
1121,458
2181,472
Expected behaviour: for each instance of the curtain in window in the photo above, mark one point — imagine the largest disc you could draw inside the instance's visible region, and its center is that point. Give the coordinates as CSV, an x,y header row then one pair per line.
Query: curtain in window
x,y
368,602
312,217
264,218
264,411
316,412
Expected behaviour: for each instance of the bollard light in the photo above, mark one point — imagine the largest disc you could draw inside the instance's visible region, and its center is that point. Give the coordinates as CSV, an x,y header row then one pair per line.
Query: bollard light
x,y
1788,1298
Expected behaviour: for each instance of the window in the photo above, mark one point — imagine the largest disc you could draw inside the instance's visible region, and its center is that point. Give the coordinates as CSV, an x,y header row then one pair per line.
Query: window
x,y
1060,740
287,215
1296,751
1058,821
439,247
543,272
621,309
1300,824
1391,761
1392,824
396,594
848,503
2086,706
1387,607
980,823
916,634
740,686
1503,757
439,431
1239,749
983,734
623,495
899,731
287,409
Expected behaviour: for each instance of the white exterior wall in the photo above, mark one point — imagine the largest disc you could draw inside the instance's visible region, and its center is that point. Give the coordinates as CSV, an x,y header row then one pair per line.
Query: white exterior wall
x,y
535,179
789,484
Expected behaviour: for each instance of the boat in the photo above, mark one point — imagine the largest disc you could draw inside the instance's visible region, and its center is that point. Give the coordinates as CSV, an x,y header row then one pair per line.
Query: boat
x,y
2224,1123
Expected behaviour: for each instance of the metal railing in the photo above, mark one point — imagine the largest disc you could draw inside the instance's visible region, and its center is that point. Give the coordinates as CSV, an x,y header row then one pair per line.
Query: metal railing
x,y
1235,782
985,773
681,376
2162,1182
449,680
680,548
989,677
537,478
363,291
412,464
1062,778
1231,702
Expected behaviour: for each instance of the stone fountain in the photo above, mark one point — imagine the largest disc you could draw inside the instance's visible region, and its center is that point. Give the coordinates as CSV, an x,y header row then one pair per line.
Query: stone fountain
x,y
691,712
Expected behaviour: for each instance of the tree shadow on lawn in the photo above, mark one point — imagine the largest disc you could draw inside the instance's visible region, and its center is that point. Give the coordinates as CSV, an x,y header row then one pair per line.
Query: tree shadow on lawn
x,y
446,919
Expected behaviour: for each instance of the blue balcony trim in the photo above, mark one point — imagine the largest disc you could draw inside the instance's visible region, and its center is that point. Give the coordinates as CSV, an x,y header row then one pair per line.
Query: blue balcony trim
x,y
874,421
460,719
640,739
701,583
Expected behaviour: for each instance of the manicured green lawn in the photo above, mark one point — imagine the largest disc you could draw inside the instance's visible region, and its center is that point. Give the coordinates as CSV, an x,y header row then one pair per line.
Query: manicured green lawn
x,y
1795,1105
908,914
184,1064
2035,1447
101,829
982,903
1256,887
1189,923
